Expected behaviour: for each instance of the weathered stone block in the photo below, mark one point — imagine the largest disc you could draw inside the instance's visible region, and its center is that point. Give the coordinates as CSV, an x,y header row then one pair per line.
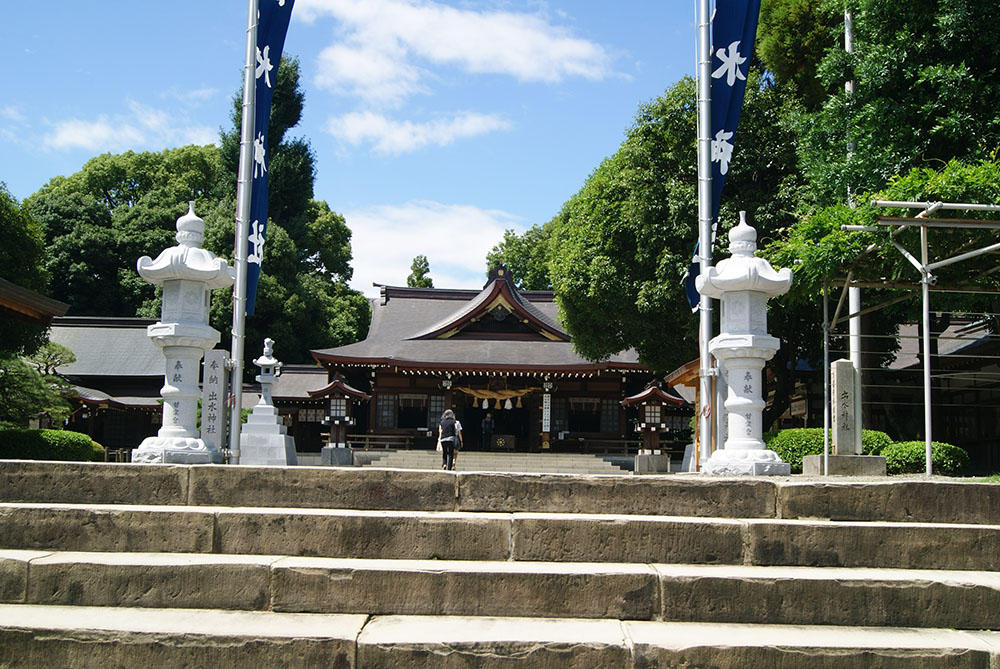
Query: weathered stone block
x,y
844,465
447,643
891,545
902,501
337,456
151,580
14,574
323,487
830,596
557,537
676,645
365,534
105,528
651,464
422,587
667,496
91,483
79,636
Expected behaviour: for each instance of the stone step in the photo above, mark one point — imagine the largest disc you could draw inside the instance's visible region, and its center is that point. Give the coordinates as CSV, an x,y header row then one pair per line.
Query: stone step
x,y
58,636
673,592
553,463
895,500
464,535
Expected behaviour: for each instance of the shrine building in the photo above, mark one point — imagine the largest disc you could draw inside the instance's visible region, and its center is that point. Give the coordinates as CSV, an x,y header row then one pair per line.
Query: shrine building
x,y
497,351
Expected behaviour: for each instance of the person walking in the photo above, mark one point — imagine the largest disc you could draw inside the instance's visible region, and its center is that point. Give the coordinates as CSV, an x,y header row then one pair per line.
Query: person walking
x,y
450,434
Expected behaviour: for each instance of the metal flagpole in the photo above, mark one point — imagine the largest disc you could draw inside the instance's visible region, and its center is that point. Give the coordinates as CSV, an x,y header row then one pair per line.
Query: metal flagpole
x,y
242,220
705,219
826,381
853,292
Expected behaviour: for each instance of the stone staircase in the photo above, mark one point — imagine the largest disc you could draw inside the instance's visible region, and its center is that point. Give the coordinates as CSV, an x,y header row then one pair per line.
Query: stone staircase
x,y
115,565
518,463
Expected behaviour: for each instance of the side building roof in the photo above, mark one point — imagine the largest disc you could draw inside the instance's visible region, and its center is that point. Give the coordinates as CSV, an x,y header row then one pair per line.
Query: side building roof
x,y
107,347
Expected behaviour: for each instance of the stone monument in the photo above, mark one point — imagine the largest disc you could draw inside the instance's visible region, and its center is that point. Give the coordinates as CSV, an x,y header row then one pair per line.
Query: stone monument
x,y
188,274
846,459
264,439
743,283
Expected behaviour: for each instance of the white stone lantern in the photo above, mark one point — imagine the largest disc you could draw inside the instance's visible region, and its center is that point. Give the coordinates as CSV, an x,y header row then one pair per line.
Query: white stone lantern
x,y
264,439
188,274
743,283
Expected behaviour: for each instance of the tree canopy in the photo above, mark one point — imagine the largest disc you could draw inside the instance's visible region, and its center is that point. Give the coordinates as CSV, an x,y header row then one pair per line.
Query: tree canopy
x,y
21,262
119,207
419,273
924,122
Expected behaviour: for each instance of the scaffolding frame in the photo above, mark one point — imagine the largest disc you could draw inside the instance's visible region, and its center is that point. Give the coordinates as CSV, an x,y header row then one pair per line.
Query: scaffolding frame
x,y
928,281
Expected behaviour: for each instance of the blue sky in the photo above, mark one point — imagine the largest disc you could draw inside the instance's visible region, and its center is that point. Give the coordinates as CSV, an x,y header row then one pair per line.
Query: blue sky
x,y
436,125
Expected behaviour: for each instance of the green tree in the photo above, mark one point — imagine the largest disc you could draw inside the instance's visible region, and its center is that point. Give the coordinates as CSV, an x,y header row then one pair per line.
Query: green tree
x,y
927,90
620,246
22,257
292,163
26,393
303,300
419,271
99,221
793,36
526,256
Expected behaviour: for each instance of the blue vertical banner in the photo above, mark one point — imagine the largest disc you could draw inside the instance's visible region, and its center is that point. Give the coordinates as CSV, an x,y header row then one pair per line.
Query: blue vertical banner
x,y
734,28
272,25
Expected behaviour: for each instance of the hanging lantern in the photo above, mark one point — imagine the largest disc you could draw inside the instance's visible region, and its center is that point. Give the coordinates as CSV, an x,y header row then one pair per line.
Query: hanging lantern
x,y
519,404
486,403
508,404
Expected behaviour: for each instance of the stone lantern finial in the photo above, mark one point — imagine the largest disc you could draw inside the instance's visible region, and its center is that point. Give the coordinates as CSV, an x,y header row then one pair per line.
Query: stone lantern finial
x,y
742,238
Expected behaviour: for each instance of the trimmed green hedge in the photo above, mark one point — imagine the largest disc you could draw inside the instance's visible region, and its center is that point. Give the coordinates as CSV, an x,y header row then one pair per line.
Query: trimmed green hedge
x,y
910,457
874,442
794,444
22,444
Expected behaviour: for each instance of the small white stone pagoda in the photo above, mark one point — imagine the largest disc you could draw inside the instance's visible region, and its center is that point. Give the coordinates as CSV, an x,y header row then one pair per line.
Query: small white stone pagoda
x,y
264,439
188,274
743,284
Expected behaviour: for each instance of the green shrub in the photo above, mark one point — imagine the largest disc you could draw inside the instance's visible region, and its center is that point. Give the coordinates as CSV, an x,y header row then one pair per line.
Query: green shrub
x,y
20,444
794,444
909,457
874,442
100,455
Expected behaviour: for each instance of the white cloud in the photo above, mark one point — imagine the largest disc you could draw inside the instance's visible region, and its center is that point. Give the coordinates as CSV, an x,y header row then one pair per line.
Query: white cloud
x,y
99,135
380,43
12,114
455,238
394,137
141,128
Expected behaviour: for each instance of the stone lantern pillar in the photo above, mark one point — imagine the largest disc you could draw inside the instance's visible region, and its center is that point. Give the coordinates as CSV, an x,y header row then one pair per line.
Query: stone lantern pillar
x,y
188,274
743,283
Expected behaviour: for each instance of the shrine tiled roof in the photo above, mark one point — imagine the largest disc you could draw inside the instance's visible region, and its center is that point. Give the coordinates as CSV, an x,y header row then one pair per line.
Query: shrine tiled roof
x,y
108,347
413,328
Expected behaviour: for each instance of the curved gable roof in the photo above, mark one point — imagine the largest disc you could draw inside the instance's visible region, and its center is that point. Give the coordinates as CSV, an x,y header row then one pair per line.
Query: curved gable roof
x,y
498,292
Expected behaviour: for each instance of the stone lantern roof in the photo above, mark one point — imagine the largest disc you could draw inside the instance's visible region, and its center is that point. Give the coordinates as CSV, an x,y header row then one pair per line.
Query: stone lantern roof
x,y
188,261
743,271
